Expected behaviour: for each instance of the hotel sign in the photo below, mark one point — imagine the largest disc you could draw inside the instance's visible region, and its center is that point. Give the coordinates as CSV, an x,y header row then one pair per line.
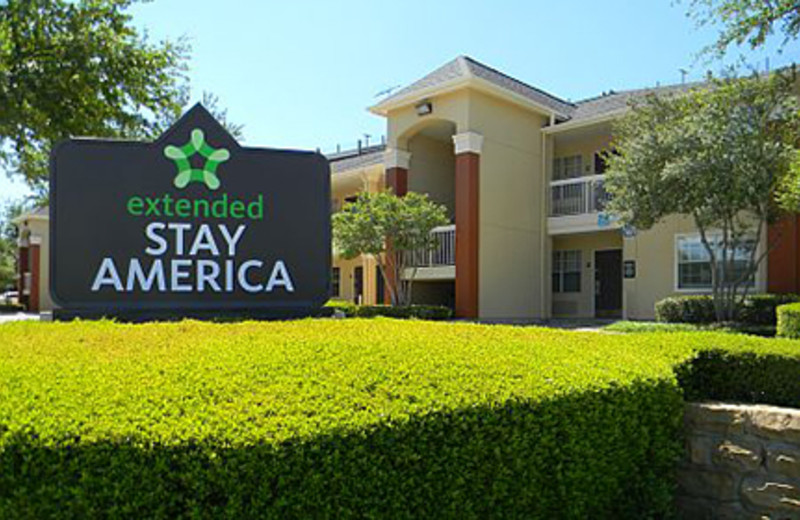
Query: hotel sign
x,y
190,225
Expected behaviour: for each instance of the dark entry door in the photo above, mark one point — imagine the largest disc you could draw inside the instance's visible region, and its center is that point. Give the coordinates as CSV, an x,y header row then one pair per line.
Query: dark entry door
x,y
608,283
358,284
380,289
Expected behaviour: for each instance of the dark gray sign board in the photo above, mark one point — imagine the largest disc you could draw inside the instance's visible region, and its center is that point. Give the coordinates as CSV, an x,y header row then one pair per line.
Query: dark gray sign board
x,y
629,268
191,225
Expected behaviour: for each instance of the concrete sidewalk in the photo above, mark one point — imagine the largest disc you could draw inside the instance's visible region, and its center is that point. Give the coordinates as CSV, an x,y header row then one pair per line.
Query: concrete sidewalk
x,y
18,316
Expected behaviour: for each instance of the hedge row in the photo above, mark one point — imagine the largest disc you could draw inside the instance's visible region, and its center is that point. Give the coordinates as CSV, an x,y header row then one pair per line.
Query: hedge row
x,y
789,321
757,310
6,308
355,418
420,312
332,418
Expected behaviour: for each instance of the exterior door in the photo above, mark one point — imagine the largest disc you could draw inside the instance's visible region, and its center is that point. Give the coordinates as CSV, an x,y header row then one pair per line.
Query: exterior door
x,y
608,283
358,285
380,289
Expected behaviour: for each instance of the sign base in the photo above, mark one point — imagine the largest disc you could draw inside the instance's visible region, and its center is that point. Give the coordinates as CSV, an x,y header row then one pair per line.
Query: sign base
x,y
220,316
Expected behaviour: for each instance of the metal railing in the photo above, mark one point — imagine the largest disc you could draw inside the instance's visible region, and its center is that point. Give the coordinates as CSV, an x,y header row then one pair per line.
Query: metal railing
x,y
443,254
577,196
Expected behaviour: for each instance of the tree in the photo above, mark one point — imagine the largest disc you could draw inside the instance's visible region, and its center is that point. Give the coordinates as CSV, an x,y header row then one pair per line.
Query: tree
x,y
80,68
723,154
8,244
390,229
747,21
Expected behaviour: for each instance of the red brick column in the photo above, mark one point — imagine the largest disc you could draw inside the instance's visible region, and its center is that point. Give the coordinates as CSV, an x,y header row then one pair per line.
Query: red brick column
x,y
397,180
35,267
783,261
467,201
22,268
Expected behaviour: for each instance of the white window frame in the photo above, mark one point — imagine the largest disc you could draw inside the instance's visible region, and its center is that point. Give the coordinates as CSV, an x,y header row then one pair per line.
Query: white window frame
x,y
703,290
561,273
561,159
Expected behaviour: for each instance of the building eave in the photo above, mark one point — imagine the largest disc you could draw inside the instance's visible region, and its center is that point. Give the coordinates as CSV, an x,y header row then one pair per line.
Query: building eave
x,y
29,216
582,123
482,85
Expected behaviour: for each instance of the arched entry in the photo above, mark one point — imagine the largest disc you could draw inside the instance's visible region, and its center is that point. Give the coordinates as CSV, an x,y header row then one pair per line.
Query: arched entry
x,y
440,163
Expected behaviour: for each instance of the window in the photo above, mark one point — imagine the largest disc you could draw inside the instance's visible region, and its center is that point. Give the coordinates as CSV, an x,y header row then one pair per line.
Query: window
x,y
335,281
599,164
694,262
566,271
567,167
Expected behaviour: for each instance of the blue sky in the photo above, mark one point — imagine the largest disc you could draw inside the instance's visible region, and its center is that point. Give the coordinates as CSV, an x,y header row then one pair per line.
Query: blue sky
x,y
300,74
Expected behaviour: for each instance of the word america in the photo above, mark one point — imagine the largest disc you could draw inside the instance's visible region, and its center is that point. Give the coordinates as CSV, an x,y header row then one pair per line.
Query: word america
x,y
193,274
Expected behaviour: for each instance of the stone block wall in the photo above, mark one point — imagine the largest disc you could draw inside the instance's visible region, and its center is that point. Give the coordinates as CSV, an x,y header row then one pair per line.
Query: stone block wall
x,y
742,462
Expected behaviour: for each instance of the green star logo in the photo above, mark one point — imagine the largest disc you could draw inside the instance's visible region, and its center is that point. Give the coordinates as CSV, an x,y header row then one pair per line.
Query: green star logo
x,y
197,145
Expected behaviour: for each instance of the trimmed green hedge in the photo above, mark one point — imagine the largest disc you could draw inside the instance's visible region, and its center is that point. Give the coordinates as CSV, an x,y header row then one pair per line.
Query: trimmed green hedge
x,y
332,418
357,418
757,310
744,377
420,312
8,308
789,321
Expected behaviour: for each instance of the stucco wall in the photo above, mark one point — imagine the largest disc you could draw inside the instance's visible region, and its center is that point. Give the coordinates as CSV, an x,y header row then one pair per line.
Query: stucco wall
x,y
343,185
584,143
581,304
656,276
347,279
511,202
432,170
511,199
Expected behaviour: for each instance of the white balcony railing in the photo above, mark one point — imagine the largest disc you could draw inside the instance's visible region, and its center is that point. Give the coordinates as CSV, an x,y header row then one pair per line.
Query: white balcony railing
x,y
577,196
443,254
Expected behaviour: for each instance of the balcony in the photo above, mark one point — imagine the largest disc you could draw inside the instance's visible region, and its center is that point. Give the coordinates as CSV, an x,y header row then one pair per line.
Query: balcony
x,y
576,206
438,263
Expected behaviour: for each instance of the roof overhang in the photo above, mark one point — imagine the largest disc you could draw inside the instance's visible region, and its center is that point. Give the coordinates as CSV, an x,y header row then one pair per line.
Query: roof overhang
x,y
583,123
31,215
476,83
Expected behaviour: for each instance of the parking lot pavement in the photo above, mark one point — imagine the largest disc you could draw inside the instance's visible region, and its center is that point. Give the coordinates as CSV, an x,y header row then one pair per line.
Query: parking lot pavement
x,y
17,316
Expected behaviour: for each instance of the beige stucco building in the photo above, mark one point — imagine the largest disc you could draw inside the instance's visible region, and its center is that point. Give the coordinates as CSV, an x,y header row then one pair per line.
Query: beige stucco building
x,y
521,174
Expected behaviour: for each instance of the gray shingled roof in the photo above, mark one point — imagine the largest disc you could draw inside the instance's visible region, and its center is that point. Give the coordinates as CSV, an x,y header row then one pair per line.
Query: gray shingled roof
x,y
615,101
466,67
353,159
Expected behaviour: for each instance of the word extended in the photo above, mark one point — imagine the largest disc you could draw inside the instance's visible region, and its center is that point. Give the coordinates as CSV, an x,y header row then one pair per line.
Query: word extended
x,y
220,207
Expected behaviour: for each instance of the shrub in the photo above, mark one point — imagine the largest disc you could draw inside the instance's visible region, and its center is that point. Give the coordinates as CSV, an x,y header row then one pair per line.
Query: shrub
x,y
761,309
358,418
745,377
348,308
421,312
789,320
685,309
757,309
333,418
7,308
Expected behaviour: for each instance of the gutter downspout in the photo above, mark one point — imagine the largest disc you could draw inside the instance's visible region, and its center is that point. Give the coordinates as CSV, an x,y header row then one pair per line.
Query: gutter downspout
x,y
543,235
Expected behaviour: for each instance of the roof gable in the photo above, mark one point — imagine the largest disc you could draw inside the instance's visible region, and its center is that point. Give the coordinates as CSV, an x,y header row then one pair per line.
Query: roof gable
x,y
464,69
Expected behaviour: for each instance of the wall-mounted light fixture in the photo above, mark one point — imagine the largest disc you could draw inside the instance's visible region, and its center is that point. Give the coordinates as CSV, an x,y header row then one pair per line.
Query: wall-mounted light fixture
x,y
424,108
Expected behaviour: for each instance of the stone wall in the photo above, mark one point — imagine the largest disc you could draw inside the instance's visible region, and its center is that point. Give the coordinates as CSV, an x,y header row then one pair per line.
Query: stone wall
x,y
742,461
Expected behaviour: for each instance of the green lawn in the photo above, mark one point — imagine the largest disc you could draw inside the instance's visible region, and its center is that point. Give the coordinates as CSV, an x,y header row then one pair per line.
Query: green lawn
x,y
655,326
375,418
